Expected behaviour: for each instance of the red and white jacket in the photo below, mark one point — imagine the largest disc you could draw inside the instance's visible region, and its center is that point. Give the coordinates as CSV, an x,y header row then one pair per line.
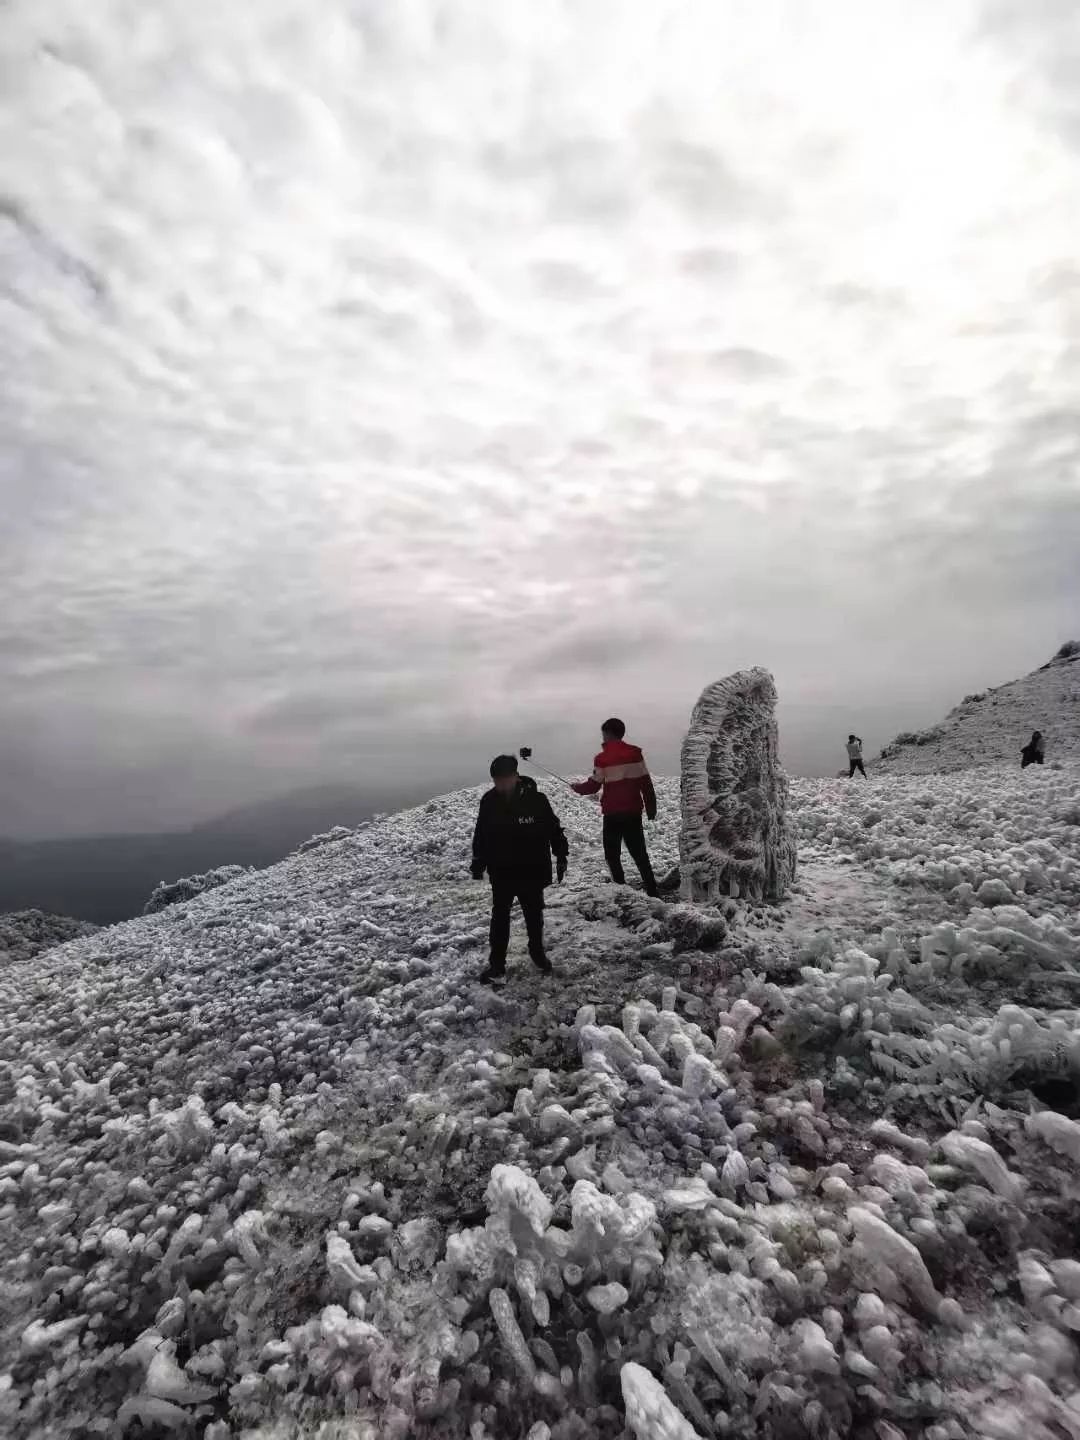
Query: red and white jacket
x,y
620,771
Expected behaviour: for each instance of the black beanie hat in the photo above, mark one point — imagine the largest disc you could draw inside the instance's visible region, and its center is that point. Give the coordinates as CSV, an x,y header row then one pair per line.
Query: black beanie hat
x,y
503,765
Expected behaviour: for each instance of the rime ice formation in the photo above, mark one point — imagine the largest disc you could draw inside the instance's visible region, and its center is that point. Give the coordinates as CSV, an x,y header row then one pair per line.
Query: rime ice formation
x,y
736,840
649,1412
173,892
26,933
273,1166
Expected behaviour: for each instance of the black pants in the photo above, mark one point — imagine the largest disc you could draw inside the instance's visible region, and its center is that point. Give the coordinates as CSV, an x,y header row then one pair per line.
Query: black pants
x,y
857,765
506,887
618,828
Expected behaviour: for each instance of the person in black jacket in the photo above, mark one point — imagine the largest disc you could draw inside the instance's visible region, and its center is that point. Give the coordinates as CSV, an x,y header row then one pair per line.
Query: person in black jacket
x,y
516,834
1034,752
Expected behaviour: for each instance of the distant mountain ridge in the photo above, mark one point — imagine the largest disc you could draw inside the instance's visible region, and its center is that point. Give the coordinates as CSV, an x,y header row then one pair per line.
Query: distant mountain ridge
x,y
107,878
991,726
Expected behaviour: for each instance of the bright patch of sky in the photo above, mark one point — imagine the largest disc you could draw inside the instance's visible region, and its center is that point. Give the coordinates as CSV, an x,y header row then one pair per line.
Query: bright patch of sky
x,y
387,383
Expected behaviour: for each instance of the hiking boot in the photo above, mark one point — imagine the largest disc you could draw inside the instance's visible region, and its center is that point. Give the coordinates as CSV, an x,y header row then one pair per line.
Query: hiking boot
x,y
542,963
490,975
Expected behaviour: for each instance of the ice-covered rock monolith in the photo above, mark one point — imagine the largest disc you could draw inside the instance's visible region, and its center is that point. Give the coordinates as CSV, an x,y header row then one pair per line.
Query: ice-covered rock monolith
x,y
736,839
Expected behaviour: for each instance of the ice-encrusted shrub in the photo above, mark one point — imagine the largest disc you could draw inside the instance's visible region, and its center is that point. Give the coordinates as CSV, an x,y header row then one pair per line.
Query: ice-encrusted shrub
x,y
909,738
971,1152
896,1263
691,928
1051,1288
854,999
26,933
172,892
670,1081
727,1316
982,1056
610,1239
327,837
185,1131
650,1413
1057,1131
856,1004
990,942
389,1342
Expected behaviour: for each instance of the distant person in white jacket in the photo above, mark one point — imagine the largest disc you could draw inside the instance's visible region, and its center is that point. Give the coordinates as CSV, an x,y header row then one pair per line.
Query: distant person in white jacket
x,y
854,755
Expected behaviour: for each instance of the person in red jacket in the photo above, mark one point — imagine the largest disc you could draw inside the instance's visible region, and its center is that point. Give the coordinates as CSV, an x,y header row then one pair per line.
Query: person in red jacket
x,y
621,773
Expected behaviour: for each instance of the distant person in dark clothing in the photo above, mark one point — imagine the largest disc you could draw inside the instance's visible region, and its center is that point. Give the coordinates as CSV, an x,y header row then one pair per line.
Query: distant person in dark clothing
x,y
854,755
517,832
1034,752
621,773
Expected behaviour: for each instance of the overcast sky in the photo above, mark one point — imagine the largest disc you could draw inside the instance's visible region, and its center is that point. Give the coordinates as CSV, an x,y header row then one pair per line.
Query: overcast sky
x,y
388,383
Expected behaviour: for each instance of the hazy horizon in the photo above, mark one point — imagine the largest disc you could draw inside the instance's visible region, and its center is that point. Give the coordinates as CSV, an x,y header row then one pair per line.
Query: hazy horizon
x,y
555,750
433,379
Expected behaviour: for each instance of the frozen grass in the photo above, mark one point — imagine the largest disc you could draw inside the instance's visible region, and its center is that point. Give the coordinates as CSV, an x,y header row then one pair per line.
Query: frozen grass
x,y
272,1163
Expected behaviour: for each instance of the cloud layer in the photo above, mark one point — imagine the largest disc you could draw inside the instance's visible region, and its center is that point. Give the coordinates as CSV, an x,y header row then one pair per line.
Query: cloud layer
x,y
379,384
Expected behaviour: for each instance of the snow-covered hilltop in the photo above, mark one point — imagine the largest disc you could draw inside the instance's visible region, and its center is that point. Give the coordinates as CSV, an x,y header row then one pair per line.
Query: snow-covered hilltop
x,y
272,1164
992,725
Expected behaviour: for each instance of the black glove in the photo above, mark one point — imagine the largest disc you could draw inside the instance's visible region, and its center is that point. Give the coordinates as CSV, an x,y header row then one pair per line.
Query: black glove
x,y
560,868
476,870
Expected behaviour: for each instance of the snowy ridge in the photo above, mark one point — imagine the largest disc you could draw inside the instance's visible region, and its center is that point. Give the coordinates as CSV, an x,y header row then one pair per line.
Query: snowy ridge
x,y
271,1164
991,726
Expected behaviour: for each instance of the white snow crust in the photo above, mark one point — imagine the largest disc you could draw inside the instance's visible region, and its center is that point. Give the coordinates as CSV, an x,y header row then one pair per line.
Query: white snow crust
x,y
273,1165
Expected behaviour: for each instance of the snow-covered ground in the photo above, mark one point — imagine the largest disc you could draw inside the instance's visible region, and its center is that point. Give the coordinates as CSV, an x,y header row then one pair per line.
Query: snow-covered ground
x,y
991,726
273,1164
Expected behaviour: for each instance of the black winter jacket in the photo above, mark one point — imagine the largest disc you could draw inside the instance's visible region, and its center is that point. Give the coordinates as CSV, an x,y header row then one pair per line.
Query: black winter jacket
x,y
518,832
